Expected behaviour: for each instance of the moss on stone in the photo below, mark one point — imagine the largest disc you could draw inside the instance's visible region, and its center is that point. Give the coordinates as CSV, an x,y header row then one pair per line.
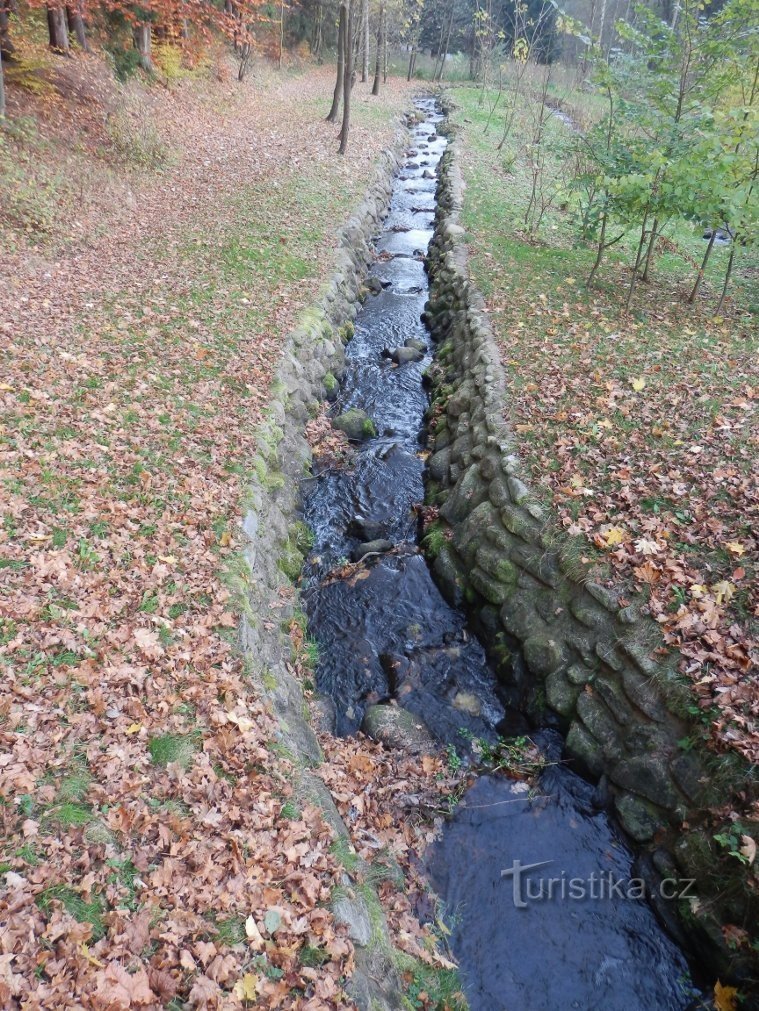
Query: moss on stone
x,y
346,332
434,539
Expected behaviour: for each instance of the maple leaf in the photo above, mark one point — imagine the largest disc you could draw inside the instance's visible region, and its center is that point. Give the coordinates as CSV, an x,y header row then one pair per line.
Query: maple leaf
x,y
723,592
118,988
647,573
245,987
637,384
615,535
725,997
736,548
147,642
645,546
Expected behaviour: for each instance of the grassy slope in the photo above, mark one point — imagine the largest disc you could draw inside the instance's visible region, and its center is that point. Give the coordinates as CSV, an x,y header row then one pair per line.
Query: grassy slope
x,y
640,430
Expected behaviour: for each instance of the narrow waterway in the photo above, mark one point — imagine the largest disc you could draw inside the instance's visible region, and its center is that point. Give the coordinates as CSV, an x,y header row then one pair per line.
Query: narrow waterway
x,y
588,940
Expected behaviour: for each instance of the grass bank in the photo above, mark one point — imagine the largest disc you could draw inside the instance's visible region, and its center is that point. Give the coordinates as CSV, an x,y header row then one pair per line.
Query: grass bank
x,y
152,854
639,429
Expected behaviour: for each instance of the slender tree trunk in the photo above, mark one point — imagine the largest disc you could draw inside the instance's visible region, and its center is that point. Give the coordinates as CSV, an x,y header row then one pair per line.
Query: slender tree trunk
x,y
244,51
281,32
638,258
599,252
384,54
439,50
347,77
316,43
411,61
602,26
444,55
702,268
332,115
2,87
6,46
58,30
76,24
728,272
378,61
141,33
365,41
584,64
650,250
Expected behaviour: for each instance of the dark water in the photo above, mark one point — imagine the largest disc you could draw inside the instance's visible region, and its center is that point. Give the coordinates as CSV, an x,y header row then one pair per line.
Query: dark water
x,y
390,634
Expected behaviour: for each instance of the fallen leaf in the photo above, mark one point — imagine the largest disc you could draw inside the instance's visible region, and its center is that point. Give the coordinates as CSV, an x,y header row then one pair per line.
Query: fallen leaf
x,y
748,848
725,997
245,988
254,934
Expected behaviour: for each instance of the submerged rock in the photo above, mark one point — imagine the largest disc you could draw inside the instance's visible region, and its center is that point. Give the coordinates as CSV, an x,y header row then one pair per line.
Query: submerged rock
x,y
356,424
366,530
370,547
467,702
397,728
403,355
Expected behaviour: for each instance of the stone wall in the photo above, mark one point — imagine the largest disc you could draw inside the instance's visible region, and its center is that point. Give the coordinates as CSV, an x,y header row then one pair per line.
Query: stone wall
x,y
276,542
582,661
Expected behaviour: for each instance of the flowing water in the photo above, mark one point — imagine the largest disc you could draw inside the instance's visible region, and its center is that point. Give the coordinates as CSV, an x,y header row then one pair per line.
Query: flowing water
x,y
521,942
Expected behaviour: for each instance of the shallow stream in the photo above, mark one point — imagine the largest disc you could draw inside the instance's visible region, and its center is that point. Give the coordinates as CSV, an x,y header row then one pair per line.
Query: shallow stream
x,y
521,944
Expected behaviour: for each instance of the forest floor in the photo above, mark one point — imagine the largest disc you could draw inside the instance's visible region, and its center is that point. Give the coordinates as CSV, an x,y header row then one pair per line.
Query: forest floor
x,y
639,430
161,241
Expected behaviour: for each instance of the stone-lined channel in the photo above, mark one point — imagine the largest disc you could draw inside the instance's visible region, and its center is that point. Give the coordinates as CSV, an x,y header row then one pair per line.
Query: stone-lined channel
x,y
390,635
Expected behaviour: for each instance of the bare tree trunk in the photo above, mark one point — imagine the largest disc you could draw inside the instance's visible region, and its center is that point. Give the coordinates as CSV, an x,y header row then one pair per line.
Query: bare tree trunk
x,y
347,77
384,55
281,32
650,250
444,54
638,258
6,46
332,115
439,50
602,26
58,30
141,34
584,63
244,51
728,272
702,268
599,252
365,41
411,61
316,33
378,61
76,24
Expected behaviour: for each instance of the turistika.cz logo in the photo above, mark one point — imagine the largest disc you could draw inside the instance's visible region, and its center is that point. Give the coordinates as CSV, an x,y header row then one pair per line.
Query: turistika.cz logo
x,y
598,885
